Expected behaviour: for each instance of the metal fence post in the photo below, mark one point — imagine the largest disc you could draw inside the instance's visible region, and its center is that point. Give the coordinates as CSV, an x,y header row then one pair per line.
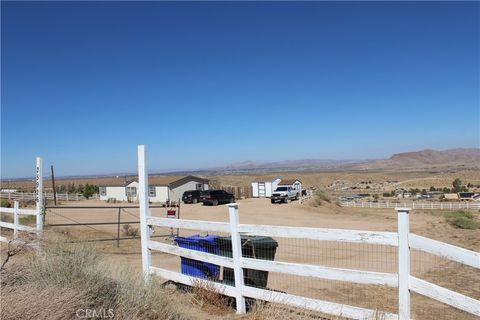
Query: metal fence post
x,y
144,210
15,220
237,256
118,228
39,189
403,263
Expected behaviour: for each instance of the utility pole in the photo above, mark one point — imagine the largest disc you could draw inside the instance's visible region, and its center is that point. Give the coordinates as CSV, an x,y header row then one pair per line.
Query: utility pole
x,y
53,186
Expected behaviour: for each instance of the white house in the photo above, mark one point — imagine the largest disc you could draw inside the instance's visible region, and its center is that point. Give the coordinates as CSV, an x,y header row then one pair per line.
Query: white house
x,y
160,189
294,183
262,189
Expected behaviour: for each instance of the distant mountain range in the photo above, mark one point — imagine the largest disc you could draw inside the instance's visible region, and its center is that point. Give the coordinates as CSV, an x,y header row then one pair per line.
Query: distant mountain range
x,y
424,159
418,160
463,157
301,165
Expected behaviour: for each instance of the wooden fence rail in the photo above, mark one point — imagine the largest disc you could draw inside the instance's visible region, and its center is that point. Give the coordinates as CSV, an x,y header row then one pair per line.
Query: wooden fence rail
x,y
37,212
16,226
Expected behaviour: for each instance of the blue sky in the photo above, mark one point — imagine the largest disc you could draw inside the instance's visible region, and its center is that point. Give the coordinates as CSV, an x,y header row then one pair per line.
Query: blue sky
x,y
212,83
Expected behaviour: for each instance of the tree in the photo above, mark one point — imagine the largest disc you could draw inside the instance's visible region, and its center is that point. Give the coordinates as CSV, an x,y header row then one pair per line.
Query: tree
x,y
432,188
89,190
457,185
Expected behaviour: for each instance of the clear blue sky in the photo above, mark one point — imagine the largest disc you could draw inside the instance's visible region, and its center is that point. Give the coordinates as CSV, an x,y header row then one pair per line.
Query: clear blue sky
x,y
208,84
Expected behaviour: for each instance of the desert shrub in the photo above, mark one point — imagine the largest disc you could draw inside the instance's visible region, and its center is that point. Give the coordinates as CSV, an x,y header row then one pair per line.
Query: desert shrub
x,y
206,295
5,203
77,268
129,231
462,219
320,196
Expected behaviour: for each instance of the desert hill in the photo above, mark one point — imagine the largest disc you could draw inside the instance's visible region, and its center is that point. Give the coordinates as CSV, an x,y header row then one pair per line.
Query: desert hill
x,y
462,157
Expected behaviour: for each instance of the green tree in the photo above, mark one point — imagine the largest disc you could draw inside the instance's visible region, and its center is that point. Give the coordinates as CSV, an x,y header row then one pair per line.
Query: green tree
x,y
89,190
457,185
432,188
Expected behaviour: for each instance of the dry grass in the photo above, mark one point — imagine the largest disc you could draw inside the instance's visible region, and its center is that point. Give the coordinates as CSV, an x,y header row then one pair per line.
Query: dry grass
x,y
62,278
209,299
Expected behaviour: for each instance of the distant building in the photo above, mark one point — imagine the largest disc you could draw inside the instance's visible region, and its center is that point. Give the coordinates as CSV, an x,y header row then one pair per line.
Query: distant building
x,y
160,189
263,189
294,183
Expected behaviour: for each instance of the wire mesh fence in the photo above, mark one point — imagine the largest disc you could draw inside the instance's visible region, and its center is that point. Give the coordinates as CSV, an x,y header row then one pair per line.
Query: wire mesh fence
x,y
311,252
343,255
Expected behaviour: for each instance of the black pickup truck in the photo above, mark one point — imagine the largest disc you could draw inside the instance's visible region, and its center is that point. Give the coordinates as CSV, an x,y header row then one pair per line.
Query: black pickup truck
x,y
216,197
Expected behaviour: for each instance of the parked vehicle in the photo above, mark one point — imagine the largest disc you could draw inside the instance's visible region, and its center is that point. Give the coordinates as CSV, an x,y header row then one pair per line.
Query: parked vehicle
x,y
191,196
284,194
216,197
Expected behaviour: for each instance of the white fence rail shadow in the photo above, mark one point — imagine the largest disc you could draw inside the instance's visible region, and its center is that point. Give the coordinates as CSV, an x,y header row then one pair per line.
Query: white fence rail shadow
x,y
412,205
403,281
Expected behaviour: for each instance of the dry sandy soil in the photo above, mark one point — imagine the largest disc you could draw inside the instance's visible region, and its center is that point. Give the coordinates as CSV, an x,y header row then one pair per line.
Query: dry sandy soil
x,y
364,257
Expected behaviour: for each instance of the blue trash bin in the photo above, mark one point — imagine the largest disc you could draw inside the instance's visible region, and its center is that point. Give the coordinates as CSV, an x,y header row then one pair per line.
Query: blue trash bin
x,y
197,268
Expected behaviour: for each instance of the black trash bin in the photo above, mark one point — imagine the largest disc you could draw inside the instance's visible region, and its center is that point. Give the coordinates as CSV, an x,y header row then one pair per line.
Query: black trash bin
x,y
255,247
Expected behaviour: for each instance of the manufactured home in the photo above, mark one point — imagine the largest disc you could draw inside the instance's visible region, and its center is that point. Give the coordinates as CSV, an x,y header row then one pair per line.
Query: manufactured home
x,y
160,189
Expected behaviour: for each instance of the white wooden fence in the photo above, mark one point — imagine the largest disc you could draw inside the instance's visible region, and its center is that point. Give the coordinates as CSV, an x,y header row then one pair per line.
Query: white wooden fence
x,y
412,205
16,226
17,212
49,196
403,280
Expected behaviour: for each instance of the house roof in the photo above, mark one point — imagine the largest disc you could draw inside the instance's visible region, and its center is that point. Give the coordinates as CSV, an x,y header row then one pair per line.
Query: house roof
x,y
288,181
266,179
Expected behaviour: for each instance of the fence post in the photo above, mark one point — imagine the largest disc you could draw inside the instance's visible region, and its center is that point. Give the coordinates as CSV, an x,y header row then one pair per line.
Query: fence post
x,y
403,263
237,256
144,210
118,228
15,220
39,190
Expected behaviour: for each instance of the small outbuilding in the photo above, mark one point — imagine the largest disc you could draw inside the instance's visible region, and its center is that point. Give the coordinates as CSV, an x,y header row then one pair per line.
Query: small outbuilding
x,y
294,183
160,188
263,189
